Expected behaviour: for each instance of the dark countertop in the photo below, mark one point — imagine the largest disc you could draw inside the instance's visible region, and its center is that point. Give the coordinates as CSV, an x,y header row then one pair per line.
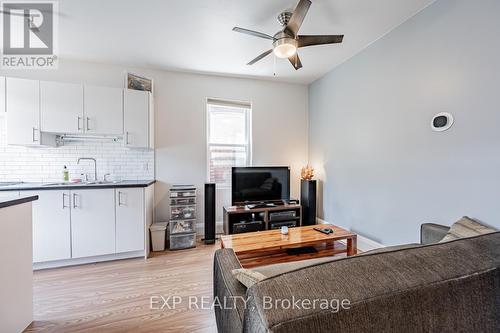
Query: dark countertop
x,y
74,186
12,201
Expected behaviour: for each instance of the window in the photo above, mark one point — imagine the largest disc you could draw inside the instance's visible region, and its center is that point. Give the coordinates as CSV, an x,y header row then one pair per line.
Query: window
x,y
228,139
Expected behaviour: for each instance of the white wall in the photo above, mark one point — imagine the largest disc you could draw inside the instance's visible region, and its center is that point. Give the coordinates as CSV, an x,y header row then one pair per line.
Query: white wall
x,y
279,119
383,171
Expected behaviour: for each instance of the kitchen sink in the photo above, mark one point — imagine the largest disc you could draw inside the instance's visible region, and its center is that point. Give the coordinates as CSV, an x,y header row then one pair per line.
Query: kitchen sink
x,y
99,182
60,184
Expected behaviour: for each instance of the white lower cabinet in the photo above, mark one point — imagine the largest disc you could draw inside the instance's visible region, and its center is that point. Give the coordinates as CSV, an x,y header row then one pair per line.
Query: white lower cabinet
x,y
51,226
129,219
71,224
92,222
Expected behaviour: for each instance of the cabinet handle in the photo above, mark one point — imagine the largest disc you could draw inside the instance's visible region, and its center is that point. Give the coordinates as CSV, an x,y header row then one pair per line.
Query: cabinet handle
x,y
74,200
79,118
119,198
64,202
33,134
126,138
87,123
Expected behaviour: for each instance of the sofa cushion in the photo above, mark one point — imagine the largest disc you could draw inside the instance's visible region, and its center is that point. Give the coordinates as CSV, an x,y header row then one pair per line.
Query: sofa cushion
x,y
391,248
466,227
249,277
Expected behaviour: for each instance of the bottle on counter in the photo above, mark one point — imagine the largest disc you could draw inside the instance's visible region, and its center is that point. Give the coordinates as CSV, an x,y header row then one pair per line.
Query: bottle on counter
x,y
65,174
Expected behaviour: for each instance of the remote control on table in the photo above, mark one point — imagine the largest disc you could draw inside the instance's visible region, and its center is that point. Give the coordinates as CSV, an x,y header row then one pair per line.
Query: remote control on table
x,y
326,231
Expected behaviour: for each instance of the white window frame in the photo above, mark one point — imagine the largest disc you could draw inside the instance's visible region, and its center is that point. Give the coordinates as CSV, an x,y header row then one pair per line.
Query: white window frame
x,y
235,104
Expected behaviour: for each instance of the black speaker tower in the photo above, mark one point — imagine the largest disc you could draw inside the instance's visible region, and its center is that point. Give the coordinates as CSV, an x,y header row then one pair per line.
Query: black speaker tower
x,y
209,213
308,201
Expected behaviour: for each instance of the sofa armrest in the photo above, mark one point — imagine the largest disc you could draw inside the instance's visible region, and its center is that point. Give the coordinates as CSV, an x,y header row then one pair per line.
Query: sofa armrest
x,y
432,233
229,290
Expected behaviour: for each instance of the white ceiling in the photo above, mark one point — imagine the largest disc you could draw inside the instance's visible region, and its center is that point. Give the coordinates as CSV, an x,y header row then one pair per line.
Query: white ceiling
x,y
195,35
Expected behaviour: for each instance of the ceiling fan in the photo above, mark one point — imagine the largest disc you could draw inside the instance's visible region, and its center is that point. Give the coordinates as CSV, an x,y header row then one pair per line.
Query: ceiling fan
x,y
287,41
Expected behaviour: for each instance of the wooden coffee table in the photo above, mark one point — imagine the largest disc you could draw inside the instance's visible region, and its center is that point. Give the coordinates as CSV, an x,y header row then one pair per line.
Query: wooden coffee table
x,y
269,247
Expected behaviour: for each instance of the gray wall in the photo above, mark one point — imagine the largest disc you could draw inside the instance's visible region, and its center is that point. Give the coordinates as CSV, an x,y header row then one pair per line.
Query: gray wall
x,y
382,170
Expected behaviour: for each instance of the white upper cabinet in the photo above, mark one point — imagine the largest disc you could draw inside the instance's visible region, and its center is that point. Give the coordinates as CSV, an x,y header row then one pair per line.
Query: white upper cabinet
x,y
2,94
103,109
39,110
136,118
61,107
23,113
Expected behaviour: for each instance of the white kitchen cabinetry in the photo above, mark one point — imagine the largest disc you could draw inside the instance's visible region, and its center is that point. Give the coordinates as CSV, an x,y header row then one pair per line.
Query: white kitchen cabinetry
x,y
51,225
61,107
129,219
92,222
8,194
76,226
2,94
37,111
103,110
23,113
137,119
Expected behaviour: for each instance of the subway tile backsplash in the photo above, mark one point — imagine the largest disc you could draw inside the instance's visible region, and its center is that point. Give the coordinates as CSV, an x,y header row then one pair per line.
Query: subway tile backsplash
x,y
46,164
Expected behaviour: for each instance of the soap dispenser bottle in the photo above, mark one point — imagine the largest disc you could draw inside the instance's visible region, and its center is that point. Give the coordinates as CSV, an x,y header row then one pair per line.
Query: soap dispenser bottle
x,y
65,174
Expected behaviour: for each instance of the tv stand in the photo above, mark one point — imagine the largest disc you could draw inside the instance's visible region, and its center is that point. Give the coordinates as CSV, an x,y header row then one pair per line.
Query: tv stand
x,y
252,214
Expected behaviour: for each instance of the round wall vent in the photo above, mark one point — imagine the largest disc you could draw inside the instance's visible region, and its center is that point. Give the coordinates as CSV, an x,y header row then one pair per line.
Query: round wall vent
x,y
441,122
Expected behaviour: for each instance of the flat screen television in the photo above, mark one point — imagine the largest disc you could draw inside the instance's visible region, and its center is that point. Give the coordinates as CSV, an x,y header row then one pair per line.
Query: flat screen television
x,y
256,184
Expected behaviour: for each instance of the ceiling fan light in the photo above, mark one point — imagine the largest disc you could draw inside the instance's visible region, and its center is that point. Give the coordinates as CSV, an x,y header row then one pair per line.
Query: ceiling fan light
x,y
285,47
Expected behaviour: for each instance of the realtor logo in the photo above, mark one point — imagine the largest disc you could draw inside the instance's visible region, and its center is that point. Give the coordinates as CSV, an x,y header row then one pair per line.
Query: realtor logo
x,y
28,32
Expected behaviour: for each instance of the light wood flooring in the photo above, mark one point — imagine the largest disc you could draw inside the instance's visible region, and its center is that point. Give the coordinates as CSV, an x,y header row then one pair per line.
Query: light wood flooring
x,y
115,296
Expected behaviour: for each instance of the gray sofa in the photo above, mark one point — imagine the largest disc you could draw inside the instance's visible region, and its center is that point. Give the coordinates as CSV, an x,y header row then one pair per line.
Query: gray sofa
x,y
427,287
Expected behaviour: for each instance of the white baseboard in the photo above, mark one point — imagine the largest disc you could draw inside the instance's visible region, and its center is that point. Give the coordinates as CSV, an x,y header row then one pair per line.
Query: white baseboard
x,y
88,260
364,243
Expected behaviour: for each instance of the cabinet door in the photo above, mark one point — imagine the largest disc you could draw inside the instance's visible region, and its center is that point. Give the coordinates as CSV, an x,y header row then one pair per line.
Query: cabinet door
x,y
23,111
51,225
103,110
61,107
130,222
2,94
8,194
92,222
136,118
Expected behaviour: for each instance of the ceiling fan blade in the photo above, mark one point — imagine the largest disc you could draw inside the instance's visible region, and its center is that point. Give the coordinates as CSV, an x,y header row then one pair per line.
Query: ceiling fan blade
x,y
295,61
263,55
253,33
297,18
318,40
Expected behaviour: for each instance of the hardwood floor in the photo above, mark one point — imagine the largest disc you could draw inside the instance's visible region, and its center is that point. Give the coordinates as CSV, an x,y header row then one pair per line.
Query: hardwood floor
x,y
115,296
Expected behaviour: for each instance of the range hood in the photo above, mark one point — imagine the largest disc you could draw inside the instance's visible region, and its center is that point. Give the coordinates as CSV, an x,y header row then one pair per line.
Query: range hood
x,y
80,137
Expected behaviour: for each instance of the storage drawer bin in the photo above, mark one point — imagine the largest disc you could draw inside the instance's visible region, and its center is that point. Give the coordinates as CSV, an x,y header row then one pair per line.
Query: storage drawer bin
x,y
180,227
182,201
182,241
182,213
182,193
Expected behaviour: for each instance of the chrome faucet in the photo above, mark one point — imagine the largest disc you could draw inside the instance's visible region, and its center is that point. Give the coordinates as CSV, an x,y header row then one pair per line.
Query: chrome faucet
x,y
95,164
